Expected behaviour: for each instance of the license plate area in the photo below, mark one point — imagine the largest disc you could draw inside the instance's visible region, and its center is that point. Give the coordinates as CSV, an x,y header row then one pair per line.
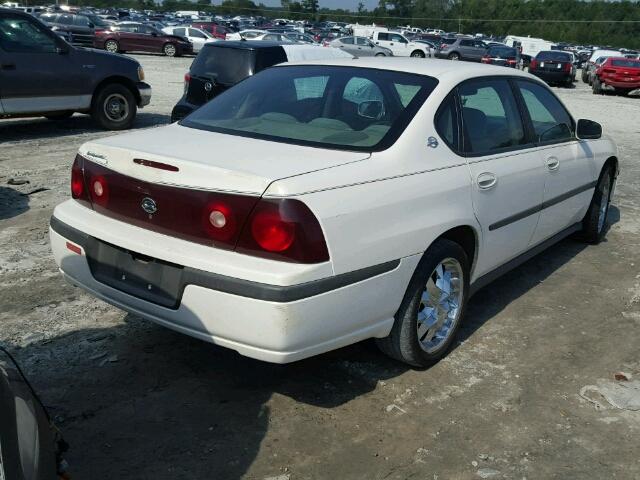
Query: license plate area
x,y
138,275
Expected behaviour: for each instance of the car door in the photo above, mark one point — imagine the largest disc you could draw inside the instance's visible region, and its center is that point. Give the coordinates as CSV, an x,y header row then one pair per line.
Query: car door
x,y
127,37
365,47
478,50
506,172
399,45
197,38
149,38
39,72
465,48
570,170
348,45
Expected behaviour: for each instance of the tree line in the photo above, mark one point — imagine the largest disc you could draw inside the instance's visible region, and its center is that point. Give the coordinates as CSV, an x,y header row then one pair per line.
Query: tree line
x,y
582,22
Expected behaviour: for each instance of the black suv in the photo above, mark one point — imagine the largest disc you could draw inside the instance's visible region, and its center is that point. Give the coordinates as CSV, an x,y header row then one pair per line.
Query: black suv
x,y
80,28
221,65
42,75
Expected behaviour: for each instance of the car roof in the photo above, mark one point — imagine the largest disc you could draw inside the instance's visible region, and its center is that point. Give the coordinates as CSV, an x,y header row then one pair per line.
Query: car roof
x,y
444,70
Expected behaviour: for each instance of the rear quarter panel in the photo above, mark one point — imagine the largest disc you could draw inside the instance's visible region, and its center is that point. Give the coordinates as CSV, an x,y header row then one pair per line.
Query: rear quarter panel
x,y
392,205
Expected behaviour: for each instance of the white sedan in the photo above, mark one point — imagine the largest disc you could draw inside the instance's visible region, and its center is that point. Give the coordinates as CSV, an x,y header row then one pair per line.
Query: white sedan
x,y
196,36
317,204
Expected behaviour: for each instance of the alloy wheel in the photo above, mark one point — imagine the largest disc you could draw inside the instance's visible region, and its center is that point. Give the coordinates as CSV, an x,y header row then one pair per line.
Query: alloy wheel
x,y
440,305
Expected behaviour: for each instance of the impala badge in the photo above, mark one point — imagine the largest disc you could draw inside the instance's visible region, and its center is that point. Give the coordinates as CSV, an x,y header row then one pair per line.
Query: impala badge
x,y
149,205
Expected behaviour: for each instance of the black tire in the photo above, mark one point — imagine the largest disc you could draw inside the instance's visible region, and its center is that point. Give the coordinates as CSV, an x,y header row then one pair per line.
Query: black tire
x,y
403,343
170,50
594,224
418,54
58,116
112,46
584,77
105,101
596,86
454,56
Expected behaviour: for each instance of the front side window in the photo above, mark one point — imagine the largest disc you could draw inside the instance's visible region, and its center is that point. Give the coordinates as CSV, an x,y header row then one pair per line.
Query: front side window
x,y
196,33
363,41
490,117
344,108
398,38
551,121
80,21
22,36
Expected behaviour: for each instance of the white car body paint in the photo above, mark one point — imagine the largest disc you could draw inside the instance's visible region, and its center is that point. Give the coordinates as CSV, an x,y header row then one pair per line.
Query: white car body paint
x,y
384,207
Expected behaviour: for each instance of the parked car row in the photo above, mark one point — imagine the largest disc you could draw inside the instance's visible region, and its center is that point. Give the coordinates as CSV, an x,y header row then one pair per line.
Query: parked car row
x,y
617,75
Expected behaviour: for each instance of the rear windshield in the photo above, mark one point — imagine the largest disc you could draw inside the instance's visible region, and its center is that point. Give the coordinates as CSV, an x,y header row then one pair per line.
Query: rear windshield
x,y
502,51
626,63
554,56
336,107
226,65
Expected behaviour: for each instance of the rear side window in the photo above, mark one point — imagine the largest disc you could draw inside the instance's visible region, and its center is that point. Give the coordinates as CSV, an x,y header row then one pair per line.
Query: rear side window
x,y
347,41
22,36
551,122
179,31
447,122
490,117
383,36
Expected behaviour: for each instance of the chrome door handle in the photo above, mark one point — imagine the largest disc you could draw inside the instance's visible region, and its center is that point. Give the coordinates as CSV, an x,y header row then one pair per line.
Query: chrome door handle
x,y
486,180
553,163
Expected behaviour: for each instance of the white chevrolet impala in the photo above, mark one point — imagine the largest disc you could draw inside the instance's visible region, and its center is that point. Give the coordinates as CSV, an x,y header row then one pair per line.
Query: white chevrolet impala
x,y
318,204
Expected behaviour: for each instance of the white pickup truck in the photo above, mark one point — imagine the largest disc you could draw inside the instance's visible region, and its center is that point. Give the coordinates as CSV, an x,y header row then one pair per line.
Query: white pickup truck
x,y
400,45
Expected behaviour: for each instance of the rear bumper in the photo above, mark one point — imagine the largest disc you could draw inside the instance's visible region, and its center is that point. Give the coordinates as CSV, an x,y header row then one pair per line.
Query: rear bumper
x,y
145,94
625,85
272,323
182,109
553,76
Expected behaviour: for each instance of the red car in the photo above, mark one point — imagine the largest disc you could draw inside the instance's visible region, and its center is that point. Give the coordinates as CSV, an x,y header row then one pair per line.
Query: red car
x,y
138,37
618,74
218,31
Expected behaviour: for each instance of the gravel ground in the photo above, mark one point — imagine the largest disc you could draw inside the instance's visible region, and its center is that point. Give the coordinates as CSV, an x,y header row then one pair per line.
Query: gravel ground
x,y
137,401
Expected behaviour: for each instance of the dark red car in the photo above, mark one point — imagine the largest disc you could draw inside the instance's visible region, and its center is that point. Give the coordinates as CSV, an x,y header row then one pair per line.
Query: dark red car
x,y
618,74
138,37
218,31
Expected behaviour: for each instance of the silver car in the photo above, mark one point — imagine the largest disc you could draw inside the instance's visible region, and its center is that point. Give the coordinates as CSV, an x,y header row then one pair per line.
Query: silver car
x,y
360,47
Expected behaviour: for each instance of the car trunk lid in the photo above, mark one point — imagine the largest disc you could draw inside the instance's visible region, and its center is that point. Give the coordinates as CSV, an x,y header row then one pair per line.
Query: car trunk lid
x,y
205,160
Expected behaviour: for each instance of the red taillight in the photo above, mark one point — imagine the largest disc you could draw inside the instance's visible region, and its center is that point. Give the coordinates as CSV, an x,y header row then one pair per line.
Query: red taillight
x,y
511,61
567,67
284,229
444,46
77,179
187,80
99,190
486,59
533,64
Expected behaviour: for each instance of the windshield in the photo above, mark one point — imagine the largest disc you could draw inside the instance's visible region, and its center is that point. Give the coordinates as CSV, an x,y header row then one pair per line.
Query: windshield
x,y
344,108
554,56
226,65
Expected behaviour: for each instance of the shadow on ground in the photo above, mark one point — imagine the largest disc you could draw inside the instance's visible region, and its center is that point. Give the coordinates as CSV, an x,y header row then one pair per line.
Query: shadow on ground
x,y
41,128
139,401
12,203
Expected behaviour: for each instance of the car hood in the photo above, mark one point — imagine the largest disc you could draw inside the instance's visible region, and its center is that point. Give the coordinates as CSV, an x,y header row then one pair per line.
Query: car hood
x,y
209,160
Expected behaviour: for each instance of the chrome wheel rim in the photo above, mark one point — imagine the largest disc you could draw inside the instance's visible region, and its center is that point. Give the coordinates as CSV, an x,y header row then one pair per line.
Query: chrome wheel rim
x,y
604,201
112,47
170,50
416,55
454,58
440,305
116,107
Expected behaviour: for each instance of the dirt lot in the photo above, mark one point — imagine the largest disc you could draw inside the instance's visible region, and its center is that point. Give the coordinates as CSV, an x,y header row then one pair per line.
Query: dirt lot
x,y
137,401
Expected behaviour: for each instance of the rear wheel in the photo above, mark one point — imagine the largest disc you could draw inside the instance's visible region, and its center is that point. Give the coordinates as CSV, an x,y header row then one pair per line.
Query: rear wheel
x,y
453,56
584,76
114,107
418,54
170,50
111,46
596,86
595,221
433,307
380,55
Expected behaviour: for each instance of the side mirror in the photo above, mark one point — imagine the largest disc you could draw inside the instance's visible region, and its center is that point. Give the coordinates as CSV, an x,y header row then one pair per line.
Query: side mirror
x,y
588,130
373,109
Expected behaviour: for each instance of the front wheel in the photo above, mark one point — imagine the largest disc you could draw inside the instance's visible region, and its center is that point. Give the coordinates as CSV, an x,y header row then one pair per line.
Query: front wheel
x,y
454,56
418,54
432,308
114,107
170,50
595,221
380,55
